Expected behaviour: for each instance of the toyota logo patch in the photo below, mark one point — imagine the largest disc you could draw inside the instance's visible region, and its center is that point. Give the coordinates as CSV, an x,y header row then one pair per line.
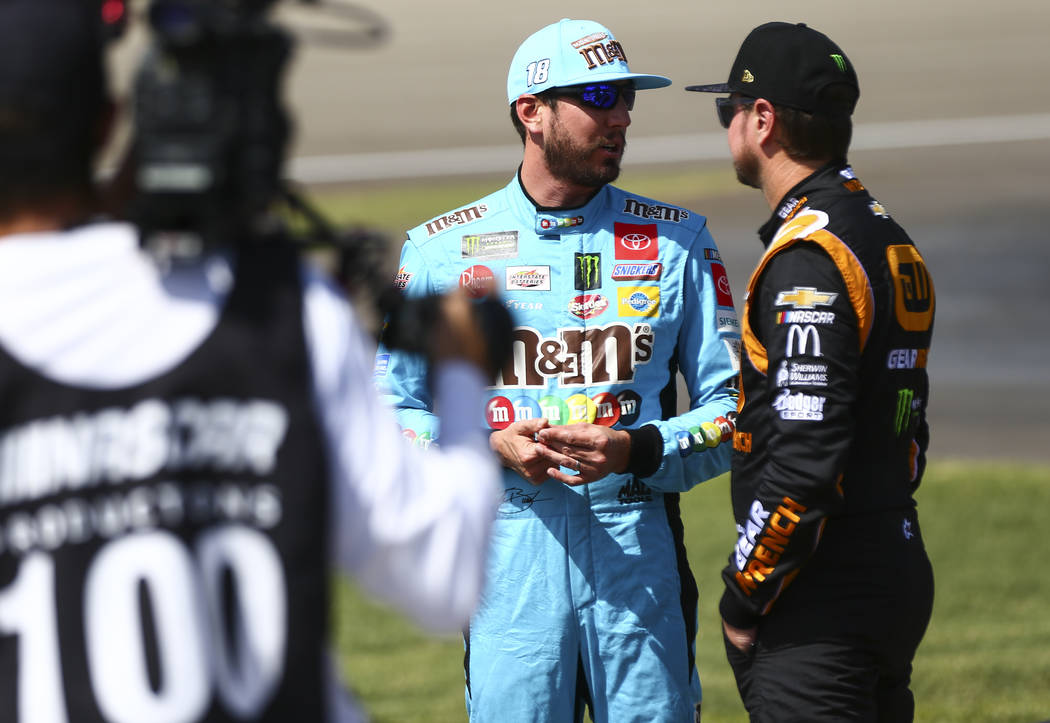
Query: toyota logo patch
x,y
636,241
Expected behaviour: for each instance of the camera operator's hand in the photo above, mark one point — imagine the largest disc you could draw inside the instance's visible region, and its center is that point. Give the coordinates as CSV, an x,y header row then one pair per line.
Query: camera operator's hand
x,y
595,451
518,449
457,334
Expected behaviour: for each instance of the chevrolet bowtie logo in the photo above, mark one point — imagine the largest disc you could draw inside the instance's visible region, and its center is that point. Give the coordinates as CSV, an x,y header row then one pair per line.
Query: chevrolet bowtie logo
x,y
804,297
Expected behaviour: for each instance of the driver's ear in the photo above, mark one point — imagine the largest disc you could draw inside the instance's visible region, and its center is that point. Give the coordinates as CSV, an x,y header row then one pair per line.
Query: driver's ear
x,y
531,110
764,116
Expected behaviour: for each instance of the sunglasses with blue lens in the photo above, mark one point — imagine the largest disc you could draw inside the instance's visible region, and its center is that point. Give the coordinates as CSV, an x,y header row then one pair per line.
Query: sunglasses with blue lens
x,y
603,96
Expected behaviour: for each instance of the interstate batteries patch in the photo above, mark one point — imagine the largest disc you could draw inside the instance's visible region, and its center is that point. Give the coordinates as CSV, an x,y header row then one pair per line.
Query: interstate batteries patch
x,y
498,245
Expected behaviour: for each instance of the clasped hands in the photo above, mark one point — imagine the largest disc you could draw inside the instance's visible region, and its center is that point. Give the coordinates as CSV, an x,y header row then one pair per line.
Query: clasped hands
x,y
536,450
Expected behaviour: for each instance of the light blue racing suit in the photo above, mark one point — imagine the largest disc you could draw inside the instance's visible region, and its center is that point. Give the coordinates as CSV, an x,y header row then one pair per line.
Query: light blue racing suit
x,y
589,594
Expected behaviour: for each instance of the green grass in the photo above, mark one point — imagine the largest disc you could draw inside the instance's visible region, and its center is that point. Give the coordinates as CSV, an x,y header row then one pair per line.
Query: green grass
x,y
985,658
986,655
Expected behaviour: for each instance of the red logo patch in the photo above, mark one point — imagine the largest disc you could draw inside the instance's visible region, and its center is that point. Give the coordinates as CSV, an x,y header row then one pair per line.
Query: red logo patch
x,y
608,409
723,296
478,280
588,306
636,241
499,412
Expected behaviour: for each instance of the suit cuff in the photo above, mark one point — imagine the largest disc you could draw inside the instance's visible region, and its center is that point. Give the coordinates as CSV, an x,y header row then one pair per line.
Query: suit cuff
x,y
737,615
647,450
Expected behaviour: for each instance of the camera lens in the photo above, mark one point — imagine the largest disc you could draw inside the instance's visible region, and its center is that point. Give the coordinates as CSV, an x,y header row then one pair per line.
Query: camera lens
x,y
176,21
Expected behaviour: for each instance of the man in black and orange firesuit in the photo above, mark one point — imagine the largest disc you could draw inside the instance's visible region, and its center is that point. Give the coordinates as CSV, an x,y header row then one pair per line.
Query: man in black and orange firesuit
x,y
828,589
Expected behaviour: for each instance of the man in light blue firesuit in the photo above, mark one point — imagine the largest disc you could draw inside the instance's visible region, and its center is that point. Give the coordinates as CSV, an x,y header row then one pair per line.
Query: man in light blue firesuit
x,y
589,600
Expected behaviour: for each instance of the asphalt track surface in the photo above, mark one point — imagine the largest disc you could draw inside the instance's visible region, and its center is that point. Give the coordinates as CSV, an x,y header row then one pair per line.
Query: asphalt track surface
x,y
952,136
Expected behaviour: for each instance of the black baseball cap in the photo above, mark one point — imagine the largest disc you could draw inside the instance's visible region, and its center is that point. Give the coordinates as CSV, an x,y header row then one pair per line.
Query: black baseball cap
x,y
51,58
791,65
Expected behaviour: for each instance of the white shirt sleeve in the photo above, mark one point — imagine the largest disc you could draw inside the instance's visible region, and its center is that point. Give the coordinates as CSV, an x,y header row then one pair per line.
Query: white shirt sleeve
x,y
410,524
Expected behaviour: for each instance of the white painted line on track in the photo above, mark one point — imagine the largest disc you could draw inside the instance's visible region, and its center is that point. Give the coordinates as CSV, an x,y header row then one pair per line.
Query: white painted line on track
x,y
661,149
956,131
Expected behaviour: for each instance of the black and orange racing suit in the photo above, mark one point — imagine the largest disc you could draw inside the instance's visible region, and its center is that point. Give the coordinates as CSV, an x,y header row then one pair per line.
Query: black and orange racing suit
x,y
829,448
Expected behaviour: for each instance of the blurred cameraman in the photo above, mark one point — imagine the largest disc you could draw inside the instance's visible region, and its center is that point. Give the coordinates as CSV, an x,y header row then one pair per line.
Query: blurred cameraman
x,y
184,454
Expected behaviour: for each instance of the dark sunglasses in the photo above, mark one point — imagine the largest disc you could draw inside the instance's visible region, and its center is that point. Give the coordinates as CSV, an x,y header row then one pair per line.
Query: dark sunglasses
x,y
727,107
603,96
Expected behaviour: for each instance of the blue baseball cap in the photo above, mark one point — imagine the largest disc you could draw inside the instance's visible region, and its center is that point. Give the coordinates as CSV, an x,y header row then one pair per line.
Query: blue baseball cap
x,y
572,52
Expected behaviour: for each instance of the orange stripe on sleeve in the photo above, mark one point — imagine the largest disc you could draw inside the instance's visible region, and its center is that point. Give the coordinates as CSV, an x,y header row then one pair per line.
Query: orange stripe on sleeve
x,y
808,225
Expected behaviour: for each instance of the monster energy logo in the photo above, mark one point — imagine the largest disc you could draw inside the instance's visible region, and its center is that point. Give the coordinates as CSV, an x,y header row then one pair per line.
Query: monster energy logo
x,y
502,244
905,398
588,271
839,61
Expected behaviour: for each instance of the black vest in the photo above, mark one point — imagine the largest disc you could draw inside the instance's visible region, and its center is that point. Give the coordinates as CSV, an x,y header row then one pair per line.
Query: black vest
x,y
163,547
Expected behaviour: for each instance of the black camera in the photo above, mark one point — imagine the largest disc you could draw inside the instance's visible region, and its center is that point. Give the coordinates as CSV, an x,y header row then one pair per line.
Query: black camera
x,y
409,322
211,130
211,133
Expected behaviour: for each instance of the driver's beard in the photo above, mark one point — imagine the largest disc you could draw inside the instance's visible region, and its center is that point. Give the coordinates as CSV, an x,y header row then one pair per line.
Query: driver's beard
x,y
746,167
571,162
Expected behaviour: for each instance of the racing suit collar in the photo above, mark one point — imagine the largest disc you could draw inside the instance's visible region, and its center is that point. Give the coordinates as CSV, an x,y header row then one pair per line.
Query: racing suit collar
x,y
556,221
824,177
